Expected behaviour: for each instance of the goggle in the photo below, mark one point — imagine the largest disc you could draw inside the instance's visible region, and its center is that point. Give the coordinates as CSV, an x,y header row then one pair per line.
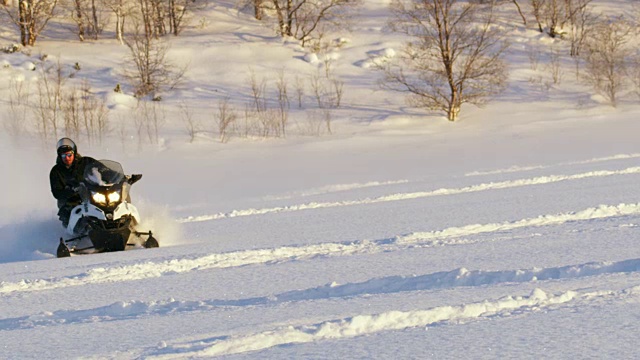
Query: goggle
x,y
66,155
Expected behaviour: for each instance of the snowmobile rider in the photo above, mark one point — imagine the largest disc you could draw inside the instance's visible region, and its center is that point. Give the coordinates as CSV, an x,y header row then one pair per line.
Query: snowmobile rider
x,y
65,175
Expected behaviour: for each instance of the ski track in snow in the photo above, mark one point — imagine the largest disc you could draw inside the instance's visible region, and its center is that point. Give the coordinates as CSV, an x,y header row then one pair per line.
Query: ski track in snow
x,y
415,195
388,285
360,325
446,237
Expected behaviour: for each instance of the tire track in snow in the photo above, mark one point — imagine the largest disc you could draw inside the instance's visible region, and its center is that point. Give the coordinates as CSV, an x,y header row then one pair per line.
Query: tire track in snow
x,y
415,195
445,237
335,188
538,167
388,285
336,329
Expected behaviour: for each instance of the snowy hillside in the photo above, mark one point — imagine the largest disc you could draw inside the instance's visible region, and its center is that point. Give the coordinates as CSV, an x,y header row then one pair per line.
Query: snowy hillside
x,y
511,233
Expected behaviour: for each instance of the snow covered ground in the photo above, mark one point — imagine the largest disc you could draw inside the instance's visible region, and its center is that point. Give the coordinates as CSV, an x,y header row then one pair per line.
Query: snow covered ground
x,y
512,233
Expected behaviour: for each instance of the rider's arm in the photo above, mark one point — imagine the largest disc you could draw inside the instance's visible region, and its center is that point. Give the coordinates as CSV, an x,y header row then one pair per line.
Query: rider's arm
x,y
59,188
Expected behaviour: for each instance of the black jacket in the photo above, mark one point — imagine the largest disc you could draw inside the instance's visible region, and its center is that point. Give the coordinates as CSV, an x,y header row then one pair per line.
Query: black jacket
x,y
63,180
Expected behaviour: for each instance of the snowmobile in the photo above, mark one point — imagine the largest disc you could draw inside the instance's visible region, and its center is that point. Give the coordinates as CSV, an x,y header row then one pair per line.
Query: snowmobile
x,y
105,215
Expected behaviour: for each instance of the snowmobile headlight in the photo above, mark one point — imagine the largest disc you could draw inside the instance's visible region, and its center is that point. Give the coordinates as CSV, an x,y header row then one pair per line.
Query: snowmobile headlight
x,y
114,197
99,198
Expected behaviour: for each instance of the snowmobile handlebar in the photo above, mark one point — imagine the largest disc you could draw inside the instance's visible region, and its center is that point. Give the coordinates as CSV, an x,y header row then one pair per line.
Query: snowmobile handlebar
x,y
134,178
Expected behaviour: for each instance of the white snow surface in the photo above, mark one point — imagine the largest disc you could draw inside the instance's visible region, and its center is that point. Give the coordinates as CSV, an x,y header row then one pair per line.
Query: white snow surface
x,y
511,233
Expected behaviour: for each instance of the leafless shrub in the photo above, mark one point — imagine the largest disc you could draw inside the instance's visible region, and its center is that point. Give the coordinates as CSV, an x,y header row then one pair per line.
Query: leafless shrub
x,y
58,108
534,57
282,85
70,108
95,115
634,74
606,54
338,90
249,123
149,118
454,56
151,71
271,124
19,96
316,122
300,90
225,118
123,132
49,89
258,90
191,125
283,101
85,113
540,84
327,91
555,65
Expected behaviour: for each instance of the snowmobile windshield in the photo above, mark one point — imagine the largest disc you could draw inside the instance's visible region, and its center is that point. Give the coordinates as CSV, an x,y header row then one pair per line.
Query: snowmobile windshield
x,y
103,173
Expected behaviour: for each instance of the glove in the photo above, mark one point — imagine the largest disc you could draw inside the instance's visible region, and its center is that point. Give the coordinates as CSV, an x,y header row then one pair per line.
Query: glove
x,y
134,178
69,191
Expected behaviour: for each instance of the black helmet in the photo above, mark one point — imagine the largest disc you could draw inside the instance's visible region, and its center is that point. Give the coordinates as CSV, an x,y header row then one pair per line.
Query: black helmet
x,y
65,145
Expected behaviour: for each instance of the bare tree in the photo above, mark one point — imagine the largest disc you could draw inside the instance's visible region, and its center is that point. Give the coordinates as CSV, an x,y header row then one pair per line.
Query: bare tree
x,y
455,55
555,16
538,11
606,55
582,21
78,16
87,16
178,14
31,17
524,19
302,18
152,70
152,15
122,9
258,9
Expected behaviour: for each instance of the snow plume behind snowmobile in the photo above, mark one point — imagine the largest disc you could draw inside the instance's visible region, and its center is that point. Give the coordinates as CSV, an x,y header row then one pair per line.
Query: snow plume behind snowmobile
x,y
105,216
